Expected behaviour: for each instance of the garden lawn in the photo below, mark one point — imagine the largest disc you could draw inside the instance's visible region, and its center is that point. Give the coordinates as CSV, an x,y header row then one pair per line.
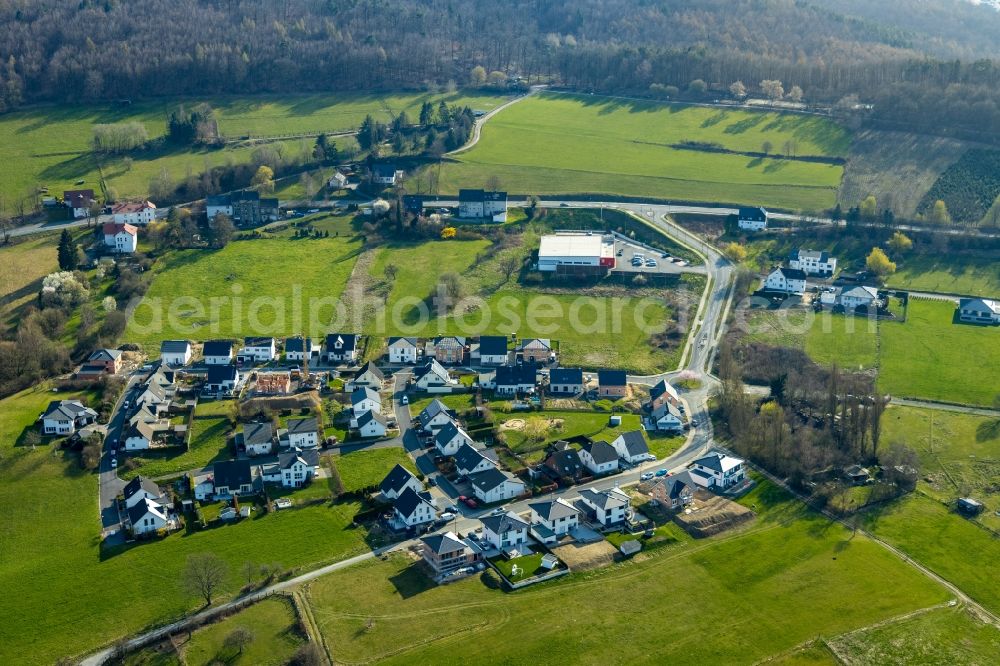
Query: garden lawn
x,y
931,357
804,578
366,468
827,338
209,443
273,625
459,402
948,544
940,636
275,287
104,596
528,565
560,144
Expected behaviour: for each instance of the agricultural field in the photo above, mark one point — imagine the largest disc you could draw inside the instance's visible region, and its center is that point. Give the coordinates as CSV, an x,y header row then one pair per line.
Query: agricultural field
x,y
969,187
101,595
563,144
958,454
806,578
275,286
366,468
939,636
827,338
209,443
22,267
51,145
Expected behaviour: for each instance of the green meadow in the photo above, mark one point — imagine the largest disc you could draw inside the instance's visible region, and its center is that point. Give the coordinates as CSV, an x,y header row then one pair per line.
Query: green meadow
x,y
562,144
827,338
366,468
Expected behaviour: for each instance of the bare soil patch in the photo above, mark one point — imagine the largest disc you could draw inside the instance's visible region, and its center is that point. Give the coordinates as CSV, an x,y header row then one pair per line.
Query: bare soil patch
x,y
586,556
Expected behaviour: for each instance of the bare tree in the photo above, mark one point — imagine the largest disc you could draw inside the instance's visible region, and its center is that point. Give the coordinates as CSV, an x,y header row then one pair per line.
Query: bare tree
x,y
204,574
493,183
239,638
390,271
508,266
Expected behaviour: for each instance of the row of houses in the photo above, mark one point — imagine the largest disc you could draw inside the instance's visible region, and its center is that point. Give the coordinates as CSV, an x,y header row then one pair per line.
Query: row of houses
x,y
245,477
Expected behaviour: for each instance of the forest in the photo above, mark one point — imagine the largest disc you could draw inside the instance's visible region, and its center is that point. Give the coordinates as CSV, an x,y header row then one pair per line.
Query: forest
x,y
924,65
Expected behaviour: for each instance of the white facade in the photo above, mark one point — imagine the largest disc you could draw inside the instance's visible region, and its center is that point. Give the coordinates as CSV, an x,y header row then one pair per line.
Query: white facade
x,y
509,538
297,474
437,380
121,239
137,442
178,358
609,506
602,467
369,403
303,440
139,213
151,520
851,299
813,262
372,428
260,448
403,350
509,488
752,219
718,470
261,351
786,281
560,522
593,250
450,440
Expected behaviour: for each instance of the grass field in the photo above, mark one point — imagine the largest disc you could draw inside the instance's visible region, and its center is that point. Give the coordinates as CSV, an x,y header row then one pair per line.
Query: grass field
x,y
827,338
274,627
940,636
805,578
104,595
260,287
561,144
364,469
930,357
951,274
51,145
22,268
208,444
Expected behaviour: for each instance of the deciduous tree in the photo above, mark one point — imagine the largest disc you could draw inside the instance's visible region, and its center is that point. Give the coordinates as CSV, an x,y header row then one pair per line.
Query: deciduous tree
x,y
204,574
878,263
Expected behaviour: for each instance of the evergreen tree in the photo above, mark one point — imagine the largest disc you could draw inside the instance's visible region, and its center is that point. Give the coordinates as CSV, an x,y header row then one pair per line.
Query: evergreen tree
x,y
426,114
67,252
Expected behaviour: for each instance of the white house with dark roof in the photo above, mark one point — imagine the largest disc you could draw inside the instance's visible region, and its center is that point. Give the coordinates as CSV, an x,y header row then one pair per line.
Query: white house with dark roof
x,y
447,552
403,350
367,375
979,311
139,436
856,297
341,347
786,281
217,352
258,350
599,457
298,348
492,349
631,447
387,174
610,507
222,379
482,205
302,433
147,517
176,353
413,509
470,460
494,485
435,416
718,470
63,417
258,439
434,378
813,262
552,519
233,478
667,418
397,481
505,531
565,381
450,438
138,489
364,399
511,379
752,218
291,469
372,424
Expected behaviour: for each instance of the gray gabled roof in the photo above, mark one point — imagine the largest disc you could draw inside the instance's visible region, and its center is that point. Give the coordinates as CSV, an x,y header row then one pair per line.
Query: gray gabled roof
x,y
140,483
448,432
667,408
429,367
288,458
140,509
791,273
433,409
818,255
443,544
662,387
363,393
491,478
979,304
676,484
174,346
635,443
140,428
503,523
600,451
369,367
606,499
554,509
402,342
566,376
257,433
370,416
397,477
717,461
105,355
408,502
303,425
467,457
67,410
218,348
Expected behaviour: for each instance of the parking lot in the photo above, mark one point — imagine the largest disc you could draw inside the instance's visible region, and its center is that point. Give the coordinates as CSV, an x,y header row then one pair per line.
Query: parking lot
x,y
635,258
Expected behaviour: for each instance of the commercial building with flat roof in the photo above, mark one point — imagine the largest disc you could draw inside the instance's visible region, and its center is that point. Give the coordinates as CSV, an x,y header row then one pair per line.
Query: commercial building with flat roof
x,y
576,251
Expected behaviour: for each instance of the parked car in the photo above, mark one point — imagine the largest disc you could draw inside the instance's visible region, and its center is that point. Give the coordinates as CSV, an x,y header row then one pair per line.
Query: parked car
x,y
645,476
661,472
114,463
431,481
651,262
405,400
447,515
694,423
471,503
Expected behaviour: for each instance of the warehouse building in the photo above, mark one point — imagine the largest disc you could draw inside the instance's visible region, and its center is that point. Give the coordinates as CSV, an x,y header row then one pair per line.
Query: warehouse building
x,y
577,252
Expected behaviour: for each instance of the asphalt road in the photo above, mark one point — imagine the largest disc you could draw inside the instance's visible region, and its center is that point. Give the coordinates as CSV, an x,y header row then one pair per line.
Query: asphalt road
x,y
108,481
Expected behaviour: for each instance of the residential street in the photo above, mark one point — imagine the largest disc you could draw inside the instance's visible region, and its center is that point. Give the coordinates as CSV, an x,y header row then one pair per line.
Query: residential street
x,y
110,484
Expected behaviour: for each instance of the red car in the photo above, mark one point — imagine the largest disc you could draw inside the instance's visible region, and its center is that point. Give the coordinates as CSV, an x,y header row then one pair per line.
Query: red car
x,y
469,502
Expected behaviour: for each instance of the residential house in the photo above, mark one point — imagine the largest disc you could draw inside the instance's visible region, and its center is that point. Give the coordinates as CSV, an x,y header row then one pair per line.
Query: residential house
x,y
661,393
511,379
813,262
612,384
470,460
492,349
63,417
450,438
302,433
202,486
413,509
372,424
398,480
433,378
565,463
494,485
79,202
538,350
233,478
155,396
667,418
857,297
367,376
338,181
341,347
752,218
718,470
258,439
257,350
448,552
147,517
448,349
631,447
120,238
101,362
566,381
138,489
217,352
599,457
363,399
301,349
387,174
402,350
786,281
176,353
979,311
482,205
610,507
552,519
292,469
139,213
245,208
505,531
434,416
139,436
222,379
673,492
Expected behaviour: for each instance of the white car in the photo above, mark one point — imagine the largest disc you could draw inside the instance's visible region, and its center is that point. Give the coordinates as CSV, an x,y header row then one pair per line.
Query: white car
x,y
447,515
645,476
405,400
114,463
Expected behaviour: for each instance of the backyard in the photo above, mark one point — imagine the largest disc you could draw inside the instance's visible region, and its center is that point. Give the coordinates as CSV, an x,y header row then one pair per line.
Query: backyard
x,y
360,470
209,443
